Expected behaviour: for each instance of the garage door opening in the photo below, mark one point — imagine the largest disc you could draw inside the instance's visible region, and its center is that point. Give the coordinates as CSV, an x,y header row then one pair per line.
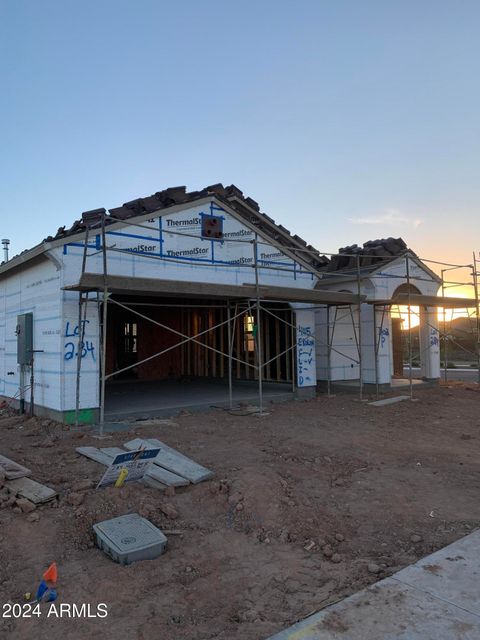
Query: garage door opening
x,y
197,343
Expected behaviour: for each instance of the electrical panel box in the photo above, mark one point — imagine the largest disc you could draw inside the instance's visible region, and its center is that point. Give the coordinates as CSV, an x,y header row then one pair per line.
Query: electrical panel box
x,y
24,333
212,227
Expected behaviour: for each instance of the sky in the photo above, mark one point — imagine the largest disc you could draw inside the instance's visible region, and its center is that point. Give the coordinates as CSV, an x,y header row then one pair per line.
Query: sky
x,y
345,120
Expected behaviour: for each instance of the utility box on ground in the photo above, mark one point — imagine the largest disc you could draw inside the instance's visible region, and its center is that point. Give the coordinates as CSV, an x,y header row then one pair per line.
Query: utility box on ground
x,y
130,538
24,333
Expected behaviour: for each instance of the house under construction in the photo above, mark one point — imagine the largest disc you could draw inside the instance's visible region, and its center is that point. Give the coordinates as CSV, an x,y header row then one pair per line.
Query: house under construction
x,y
188,299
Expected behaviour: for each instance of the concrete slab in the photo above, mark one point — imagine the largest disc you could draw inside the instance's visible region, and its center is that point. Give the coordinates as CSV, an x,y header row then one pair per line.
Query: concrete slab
x,y
387,401
127,400
453,573
438,598
389,610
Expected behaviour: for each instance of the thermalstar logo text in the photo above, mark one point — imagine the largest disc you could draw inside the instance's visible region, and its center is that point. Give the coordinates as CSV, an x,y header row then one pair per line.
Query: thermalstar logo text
x,y
142,248
197,251
241,260
238,234
183,223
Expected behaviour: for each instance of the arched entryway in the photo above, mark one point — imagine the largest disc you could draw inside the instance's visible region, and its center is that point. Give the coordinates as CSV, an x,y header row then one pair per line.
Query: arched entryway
x,y
405,332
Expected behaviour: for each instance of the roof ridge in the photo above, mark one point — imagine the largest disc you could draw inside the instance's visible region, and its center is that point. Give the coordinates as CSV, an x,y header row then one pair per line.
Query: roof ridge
x,y
231,195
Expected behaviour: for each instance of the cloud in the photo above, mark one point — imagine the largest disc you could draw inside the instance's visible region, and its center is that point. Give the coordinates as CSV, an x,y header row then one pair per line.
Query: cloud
x,y
391,217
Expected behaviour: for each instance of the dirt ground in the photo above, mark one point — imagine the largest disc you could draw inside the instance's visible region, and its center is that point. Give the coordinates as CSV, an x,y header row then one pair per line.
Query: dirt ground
x,y
309,504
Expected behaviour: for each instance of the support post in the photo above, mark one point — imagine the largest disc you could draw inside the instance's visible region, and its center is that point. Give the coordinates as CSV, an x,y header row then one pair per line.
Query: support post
x,y
329,355
79,357
445,334
104,330
32,386
258,340
82,321
22,389
410,372
230,349
376,347
359,291
477,310
81,330
292,350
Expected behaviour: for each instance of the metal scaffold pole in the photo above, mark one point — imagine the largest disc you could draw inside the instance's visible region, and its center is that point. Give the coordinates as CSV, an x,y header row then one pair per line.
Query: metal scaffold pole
x,y
329,355
104,329
292,348
477,310
445,333
81,331
258,340
230,348
359,292
79,358
376,349
410,371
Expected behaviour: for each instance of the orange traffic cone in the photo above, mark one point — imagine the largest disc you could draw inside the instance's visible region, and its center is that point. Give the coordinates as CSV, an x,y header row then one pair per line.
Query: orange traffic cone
x,y
51,573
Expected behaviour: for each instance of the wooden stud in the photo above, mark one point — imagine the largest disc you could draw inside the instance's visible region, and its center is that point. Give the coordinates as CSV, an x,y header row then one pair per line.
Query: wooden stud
x,y
214,343
237,341
222,342
267,324
277,348
288,344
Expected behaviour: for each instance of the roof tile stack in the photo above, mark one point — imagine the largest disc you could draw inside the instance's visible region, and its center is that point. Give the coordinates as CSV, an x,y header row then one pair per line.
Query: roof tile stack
x,y
246,207
372,254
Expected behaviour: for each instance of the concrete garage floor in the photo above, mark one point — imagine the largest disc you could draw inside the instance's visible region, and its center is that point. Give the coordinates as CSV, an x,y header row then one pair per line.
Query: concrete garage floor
x,y
140,398
437,598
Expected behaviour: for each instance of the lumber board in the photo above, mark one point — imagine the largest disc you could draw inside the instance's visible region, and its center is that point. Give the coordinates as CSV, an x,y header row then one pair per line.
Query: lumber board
x,y
112,451
155,286
32,490
13,469
154,472
173,460
387,401
151,482
166,477
95,454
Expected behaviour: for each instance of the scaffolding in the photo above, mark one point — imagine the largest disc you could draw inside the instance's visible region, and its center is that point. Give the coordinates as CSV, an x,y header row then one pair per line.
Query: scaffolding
x,y
253,301
254,304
